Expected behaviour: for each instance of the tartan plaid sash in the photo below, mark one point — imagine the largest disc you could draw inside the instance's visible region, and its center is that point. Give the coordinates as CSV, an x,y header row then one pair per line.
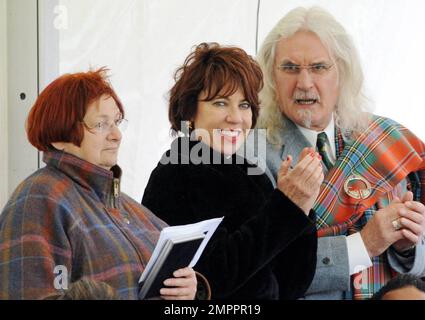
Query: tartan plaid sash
x,y
391,159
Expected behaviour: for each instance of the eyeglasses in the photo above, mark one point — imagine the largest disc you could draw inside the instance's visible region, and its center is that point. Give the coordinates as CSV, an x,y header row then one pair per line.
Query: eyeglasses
x,y
314,69
107,126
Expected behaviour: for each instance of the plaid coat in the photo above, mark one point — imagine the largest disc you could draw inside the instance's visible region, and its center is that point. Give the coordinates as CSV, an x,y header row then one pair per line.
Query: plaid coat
x,y
70,215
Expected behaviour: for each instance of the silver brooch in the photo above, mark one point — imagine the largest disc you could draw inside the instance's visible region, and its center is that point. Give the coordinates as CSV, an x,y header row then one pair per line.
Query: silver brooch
x,y
357,187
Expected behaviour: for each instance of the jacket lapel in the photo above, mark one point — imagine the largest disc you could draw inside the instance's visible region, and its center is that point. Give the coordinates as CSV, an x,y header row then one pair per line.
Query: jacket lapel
x,y
293,141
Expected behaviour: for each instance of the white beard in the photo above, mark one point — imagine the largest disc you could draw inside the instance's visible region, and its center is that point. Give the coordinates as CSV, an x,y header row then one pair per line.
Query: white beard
x,y
306,117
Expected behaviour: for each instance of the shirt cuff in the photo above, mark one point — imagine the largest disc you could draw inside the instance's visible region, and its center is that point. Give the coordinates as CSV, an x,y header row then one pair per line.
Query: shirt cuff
x,y
358,258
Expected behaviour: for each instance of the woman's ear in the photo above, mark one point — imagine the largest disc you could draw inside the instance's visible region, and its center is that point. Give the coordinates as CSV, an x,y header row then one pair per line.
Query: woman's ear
x,y
59,146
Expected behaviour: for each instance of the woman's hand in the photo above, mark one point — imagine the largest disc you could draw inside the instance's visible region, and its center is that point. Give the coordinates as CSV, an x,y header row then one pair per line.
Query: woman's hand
x,y
302,183
181,287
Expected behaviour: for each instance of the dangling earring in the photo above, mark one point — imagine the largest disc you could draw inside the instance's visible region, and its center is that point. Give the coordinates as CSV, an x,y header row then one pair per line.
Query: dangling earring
x,y
189,125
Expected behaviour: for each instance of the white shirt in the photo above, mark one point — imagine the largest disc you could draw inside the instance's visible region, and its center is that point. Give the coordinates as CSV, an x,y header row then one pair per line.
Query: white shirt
x,y
358,258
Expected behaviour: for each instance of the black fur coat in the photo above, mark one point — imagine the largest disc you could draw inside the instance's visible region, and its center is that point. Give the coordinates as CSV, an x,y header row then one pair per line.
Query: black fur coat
x,y
265,248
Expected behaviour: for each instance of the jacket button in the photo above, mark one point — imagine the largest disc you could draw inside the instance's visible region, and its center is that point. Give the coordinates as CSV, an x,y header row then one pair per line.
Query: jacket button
x,y
326,260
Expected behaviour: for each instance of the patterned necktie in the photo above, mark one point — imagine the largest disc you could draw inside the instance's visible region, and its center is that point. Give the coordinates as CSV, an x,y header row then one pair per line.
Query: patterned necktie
x,y
324,148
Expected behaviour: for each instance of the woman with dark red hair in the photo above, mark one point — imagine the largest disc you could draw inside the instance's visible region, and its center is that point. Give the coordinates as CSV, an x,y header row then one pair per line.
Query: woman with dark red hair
x,y
265,248
69,220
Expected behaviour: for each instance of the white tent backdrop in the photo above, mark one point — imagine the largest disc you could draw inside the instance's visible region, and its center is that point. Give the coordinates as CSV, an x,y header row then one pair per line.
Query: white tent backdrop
x,y
143,42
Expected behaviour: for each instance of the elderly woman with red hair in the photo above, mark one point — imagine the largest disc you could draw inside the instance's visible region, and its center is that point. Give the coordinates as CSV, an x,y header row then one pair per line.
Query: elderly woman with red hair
x,y
69,220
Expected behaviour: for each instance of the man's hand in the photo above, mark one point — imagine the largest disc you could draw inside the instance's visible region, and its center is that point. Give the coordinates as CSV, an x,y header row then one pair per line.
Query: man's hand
x,y
379,233
412,220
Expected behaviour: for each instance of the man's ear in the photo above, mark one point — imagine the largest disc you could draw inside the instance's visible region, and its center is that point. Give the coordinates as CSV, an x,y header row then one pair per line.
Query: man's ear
x,y
59,145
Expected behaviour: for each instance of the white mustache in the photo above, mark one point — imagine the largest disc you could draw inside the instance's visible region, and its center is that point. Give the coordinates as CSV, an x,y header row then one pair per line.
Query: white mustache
x,y
305,95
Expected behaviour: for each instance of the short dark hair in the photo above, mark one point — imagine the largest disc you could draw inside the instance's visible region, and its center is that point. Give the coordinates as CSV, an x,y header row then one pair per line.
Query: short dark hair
x,y
398,282
217,70
59,110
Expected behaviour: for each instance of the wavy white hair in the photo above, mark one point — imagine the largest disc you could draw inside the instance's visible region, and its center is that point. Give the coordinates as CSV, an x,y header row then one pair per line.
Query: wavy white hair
x,y
350,113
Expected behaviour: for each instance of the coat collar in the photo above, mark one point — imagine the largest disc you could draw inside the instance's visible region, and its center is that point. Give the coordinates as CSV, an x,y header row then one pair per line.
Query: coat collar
x,y
105,183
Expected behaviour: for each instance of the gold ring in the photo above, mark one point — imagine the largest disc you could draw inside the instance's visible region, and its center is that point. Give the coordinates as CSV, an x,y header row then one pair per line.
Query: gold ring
x,y
396,224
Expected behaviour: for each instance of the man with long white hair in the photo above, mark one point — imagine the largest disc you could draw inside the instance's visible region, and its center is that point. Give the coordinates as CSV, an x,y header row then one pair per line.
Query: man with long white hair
x,y
370,226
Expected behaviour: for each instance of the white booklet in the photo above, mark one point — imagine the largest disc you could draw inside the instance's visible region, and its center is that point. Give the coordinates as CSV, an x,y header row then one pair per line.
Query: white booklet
x,y
177,247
